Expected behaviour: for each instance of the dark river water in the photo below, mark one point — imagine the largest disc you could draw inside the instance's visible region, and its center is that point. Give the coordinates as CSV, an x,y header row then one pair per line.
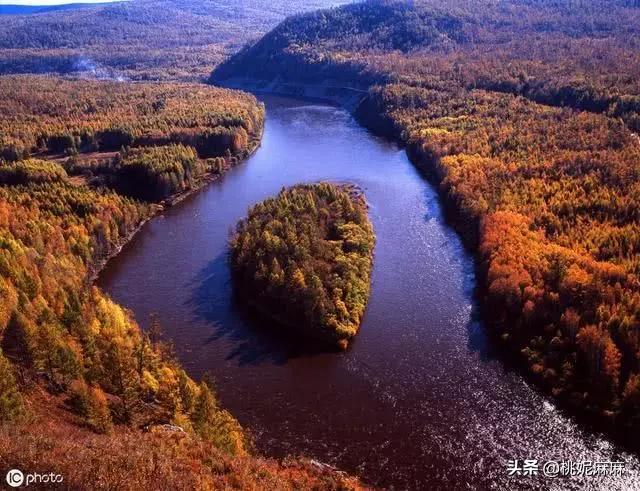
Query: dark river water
x,y
419,401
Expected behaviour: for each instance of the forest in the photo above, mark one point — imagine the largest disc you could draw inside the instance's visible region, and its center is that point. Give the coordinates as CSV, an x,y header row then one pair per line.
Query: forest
x,y
178,40
83,390
31,171
147,141
47,115
304,258
74,338
53,325
524,115
155,173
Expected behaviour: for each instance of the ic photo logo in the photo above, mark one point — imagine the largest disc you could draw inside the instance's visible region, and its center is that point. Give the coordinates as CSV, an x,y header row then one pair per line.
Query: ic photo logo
x,y
17,478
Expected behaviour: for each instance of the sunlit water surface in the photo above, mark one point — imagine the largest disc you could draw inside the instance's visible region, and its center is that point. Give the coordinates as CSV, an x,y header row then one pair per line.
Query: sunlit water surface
x,y
419,401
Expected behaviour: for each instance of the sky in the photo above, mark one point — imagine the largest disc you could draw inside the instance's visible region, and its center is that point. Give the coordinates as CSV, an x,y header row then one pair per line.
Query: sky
x,y
48,2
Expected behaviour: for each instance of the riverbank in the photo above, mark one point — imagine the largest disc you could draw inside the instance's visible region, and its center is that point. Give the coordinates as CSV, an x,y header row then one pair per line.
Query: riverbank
x,y
470,228
424,384
359,103
329,92
368,112
158,208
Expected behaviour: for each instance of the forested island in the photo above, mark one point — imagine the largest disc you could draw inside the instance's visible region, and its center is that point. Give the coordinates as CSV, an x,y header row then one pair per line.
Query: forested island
x,y
523,113
304,258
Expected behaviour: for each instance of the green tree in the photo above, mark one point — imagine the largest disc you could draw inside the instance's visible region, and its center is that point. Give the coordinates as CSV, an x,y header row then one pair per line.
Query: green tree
x,y
11,402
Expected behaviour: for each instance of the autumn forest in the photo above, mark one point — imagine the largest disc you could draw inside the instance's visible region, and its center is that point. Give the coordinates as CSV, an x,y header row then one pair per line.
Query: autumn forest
x,y
523,114
85,165
535,156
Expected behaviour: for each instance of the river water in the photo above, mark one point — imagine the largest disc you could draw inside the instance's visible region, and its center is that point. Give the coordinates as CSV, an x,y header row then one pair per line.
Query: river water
x,y
420,400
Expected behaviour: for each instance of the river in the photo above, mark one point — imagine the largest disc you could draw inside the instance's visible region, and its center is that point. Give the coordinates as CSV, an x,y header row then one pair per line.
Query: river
x,y
420,400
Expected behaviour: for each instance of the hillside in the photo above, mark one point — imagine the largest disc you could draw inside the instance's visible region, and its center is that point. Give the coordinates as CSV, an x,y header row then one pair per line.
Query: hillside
x,y
163,458
56,230
49,115
39,9
523,113
83,391
548,51
139,39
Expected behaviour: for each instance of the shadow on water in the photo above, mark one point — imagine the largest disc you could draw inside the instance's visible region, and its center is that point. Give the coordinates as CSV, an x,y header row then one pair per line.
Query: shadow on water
x,y
424,398
256,340
478,340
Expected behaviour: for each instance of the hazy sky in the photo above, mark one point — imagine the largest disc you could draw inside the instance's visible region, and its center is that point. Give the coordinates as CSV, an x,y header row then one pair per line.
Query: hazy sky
x,y
47,2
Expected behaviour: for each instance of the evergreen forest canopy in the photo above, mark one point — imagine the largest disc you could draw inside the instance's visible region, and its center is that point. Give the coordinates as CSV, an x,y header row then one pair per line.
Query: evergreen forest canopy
x,y
139,39
304,258
526,114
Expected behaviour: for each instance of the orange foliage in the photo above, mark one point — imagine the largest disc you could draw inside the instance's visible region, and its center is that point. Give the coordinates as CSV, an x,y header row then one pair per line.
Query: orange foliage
x,y
530,136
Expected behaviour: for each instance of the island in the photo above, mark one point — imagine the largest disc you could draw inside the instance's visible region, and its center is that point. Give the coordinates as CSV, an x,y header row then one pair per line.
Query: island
x,y
304,259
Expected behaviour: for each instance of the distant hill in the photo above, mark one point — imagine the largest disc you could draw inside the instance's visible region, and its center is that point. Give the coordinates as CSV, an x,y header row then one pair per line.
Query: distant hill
x,y
349,33
550,51
41,9
139,39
